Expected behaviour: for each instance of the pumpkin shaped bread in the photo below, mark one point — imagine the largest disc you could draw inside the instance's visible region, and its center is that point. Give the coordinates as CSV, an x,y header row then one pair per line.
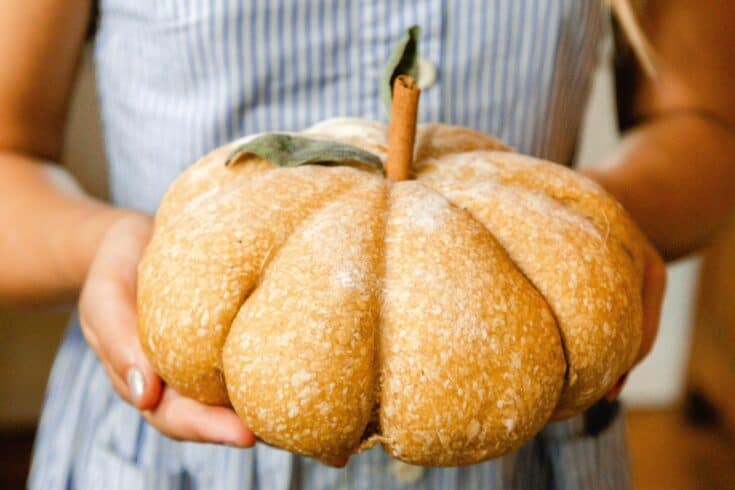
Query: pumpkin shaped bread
x,y
448,317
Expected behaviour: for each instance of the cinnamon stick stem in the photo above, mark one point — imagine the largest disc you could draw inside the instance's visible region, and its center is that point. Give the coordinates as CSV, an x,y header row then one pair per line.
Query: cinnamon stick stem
x,y
402,131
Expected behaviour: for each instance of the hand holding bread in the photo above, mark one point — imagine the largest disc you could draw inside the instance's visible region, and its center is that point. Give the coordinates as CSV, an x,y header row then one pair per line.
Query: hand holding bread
x,y
448,317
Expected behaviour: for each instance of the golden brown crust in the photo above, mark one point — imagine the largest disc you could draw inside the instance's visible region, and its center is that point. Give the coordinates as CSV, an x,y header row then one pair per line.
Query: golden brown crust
x,y
448,310
471,361
195,275
576,246
435,140
206,174
299,361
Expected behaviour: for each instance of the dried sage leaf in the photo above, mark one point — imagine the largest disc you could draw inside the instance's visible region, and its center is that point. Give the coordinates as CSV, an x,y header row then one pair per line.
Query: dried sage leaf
x,y
404,60
286,150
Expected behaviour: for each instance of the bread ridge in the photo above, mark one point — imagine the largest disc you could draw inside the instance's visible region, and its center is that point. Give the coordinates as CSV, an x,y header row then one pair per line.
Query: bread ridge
x,y
159,306
434,142
583,395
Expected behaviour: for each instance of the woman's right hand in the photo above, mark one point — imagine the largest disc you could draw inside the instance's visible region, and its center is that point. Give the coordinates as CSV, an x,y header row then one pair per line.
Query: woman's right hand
x,y
108,318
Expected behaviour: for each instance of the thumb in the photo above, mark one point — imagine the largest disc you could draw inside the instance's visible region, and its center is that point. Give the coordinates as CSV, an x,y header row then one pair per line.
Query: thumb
x,y
144,386
109,320
109,317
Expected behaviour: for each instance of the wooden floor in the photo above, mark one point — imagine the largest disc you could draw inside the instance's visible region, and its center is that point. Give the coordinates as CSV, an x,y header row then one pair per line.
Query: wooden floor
x,y
666,453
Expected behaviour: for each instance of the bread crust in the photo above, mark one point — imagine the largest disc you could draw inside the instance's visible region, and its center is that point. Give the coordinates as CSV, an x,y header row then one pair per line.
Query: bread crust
x,y
447,317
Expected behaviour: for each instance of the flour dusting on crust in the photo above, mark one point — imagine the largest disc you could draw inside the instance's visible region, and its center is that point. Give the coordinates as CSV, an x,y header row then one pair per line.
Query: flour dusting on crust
x,y
448,318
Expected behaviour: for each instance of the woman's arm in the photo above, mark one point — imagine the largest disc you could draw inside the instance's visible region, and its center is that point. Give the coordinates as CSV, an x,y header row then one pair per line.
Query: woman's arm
x,y
48,236
675,171
53,242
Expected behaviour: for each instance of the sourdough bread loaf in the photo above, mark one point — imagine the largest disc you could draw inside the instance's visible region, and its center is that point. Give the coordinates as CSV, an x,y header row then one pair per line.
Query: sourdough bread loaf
x,y
447,317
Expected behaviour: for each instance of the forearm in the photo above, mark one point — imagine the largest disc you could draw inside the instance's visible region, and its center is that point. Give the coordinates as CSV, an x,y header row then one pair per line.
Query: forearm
x,y
676,177
49,235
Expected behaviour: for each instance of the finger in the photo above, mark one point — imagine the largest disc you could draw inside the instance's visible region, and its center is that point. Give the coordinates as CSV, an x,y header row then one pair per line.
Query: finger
x,y
338,462
654,285
107,310
113,333
119,384
615,391
182,418
135,381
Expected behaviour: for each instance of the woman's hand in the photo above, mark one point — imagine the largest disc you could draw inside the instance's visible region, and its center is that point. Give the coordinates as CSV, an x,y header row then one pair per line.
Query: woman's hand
x,y
654,285
108,318
654,282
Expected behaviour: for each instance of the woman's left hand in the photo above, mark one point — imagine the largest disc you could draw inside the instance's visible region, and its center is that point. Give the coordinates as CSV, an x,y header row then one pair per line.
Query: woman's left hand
x,y
654,285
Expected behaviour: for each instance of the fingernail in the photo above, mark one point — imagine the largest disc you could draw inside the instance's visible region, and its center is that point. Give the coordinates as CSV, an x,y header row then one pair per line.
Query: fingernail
x,y
136,384
245,445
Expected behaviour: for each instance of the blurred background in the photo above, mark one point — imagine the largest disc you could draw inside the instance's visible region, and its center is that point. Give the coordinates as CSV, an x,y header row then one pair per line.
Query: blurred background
x,y
676,441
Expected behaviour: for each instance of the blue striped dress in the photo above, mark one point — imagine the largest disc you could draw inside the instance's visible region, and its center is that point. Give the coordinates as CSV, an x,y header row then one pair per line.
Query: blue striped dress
x,y
178,78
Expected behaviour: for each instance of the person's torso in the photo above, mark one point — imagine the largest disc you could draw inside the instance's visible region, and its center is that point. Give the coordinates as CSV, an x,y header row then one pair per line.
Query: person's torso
x,y
179,78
